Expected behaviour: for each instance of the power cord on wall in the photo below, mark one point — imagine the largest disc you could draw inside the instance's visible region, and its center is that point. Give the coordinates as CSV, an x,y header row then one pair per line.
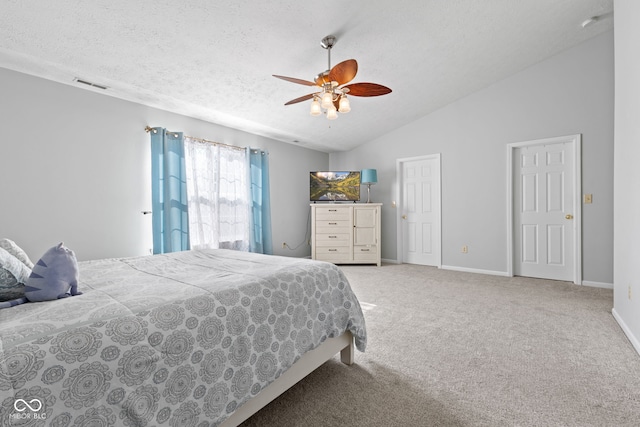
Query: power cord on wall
x,y
307,235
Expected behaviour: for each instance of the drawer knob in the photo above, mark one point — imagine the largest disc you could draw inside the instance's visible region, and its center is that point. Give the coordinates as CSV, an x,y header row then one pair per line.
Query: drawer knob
x,y
333,250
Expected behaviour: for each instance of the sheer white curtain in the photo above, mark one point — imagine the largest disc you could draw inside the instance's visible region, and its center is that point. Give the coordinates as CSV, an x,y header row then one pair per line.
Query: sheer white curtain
x,y
217,188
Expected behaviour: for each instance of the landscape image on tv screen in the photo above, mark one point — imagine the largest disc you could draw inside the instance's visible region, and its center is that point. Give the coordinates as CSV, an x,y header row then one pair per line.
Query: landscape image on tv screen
x,y
335,186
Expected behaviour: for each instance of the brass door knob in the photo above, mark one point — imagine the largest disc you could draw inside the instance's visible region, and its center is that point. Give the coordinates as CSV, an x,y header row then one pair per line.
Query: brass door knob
x,y
404,217
568,216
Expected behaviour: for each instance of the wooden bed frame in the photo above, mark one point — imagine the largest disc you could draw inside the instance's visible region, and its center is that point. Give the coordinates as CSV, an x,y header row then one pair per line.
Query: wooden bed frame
x,y
309,362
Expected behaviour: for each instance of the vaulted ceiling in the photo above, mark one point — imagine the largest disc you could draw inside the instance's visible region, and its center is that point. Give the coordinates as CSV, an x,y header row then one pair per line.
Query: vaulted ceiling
x,y
215,60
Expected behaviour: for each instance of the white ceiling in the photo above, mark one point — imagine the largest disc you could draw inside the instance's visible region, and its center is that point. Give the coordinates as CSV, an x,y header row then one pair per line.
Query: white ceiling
x,y
214,60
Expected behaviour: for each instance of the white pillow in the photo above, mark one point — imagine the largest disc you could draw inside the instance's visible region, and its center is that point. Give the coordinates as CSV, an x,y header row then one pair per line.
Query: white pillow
x,y
13,275
15,250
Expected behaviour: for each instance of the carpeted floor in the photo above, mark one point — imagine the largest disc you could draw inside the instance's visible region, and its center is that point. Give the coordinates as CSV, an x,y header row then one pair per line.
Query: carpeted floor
x,y
460,349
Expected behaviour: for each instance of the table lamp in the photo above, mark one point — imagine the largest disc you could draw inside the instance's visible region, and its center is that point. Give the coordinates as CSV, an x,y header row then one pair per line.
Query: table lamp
x,y
368,176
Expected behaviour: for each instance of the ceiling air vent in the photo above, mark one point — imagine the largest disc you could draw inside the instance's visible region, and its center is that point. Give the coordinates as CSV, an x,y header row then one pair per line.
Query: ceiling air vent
x,y
84,82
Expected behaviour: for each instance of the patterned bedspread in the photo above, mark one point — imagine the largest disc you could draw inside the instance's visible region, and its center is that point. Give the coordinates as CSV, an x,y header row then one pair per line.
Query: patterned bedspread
x,y
179,339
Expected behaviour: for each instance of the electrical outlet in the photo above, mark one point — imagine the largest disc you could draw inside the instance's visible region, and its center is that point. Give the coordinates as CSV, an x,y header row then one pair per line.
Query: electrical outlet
x,y
465,249
284,245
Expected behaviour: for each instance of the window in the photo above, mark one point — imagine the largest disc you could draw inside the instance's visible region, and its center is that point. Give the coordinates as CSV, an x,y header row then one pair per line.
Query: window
x,y
218,195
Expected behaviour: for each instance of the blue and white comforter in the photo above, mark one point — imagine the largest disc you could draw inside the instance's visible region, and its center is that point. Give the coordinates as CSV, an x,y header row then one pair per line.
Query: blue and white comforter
x,y
178,339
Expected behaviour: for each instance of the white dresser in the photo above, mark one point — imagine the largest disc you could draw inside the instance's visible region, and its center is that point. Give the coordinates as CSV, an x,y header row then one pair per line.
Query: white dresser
x,y
346,233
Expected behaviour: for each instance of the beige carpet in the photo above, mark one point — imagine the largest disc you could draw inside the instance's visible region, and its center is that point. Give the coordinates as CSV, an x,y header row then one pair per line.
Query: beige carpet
x,y
460,349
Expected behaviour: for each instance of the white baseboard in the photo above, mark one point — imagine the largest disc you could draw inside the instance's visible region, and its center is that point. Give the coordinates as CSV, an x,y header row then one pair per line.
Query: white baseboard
x,y
634,341
504,274
475,270
391,261
597,284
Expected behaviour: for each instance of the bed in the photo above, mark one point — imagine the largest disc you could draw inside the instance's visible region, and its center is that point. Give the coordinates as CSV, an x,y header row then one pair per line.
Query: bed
x,y
194,338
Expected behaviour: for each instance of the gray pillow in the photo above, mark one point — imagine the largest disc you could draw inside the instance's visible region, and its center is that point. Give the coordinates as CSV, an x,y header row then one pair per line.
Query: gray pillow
x,y
13,275
15,250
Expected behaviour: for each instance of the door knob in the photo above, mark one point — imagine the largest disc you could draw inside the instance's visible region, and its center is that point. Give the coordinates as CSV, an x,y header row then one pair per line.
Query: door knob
x,y
404,217
568,216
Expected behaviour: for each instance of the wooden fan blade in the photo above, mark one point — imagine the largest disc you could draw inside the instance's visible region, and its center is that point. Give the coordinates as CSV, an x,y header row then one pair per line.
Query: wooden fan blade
x,y
367,89
344,72
302,98
294,80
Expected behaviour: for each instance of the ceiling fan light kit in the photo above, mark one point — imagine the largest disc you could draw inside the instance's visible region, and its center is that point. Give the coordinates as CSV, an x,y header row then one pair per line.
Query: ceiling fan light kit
x,y
327,99
344,106
332,113
316,109
332,95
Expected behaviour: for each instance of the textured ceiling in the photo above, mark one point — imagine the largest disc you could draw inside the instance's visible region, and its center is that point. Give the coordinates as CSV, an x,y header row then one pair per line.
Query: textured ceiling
x,y
215,60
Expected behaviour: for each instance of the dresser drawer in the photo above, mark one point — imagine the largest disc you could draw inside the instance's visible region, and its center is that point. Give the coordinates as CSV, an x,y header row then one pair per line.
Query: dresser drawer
x,y
332,213
337,239
333,253
332,224
333,230
365,253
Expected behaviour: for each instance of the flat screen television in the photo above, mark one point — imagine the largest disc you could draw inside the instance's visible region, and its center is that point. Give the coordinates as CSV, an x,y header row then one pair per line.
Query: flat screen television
x,y
334,186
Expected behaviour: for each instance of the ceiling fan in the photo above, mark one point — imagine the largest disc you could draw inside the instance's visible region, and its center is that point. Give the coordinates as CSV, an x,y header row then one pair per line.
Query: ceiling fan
x,y
333,88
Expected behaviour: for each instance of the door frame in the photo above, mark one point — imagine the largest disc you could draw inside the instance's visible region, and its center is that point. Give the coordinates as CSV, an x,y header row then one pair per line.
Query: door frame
x,y
576,153
399,185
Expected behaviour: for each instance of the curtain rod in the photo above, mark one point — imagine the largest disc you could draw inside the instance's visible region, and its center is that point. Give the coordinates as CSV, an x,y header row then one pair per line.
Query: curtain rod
x,y
150,129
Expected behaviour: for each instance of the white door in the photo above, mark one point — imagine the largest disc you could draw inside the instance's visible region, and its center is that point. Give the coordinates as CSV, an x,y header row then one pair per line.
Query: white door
x,y
544,210
420,210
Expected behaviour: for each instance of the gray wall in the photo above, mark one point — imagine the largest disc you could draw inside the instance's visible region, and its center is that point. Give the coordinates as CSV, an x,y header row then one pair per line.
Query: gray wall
x,y
571,93
76,168
626,290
